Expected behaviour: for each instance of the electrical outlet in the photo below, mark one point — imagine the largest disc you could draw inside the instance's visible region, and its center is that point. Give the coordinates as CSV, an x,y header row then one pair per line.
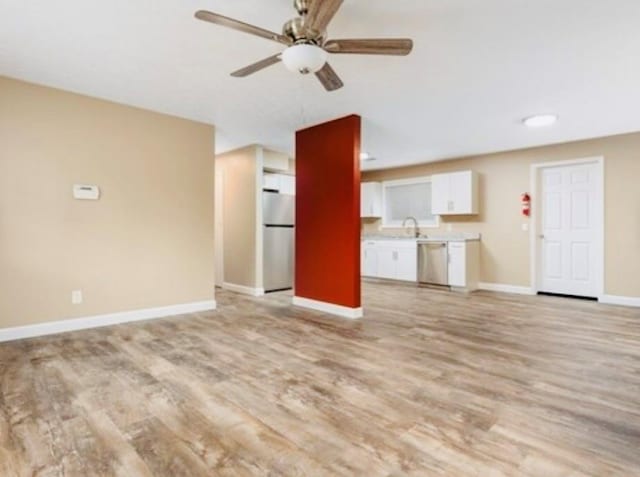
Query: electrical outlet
x,y
449,227
76,297
525,227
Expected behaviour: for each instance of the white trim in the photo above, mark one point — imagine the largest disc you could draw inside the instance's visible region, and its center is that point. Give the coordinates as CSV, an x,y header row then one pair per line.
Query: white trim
x,y
338,310
535,217
259,230
499,287
243,289
97,321
620,300
218,205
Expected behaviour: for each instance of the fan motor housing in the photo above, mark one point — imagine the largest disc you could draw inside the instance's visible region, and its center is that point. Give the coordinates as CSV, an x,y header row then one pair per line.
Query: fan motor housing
x,y
301,6
295,30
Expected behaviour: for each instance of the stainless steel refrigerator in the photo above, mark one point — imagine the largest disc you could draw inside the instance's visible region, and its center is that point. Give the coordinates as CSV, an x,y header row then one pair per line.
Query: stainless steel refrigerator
x,y
278,216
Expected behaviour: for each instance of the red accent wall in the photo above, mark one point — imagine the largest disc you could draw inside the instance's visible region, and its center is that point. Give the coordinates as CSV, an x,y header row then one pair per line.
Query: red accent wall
x,y
328,212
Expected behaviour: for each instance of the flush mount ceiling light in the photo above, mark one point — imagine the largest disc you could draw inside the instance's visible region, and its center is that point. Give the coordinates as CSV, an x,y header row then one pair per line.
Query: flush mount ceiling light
x,y
540,120
304,58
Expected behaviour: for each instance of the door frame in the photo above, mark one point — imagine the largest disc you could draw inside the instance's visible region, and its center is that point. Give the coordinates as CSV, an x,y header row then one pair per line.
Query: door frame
x,y
536,205
219,224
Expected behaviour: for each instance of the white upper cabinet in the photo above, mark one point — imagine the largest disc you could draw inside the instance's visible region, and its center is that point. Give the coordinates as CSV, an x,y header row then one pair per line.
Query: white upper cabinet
x,y
455,193
371,199
439,193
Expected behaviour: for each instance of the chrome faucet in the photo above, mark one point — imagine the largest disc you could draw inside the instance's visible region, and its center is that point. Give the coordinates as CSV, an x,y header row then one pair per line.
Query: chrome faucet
x,y
416,229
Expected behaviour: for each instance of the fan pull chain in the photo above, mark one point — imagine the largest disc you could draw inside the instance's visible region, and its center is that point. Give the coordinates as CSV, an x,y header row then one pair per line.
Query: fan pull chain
x,y
301,96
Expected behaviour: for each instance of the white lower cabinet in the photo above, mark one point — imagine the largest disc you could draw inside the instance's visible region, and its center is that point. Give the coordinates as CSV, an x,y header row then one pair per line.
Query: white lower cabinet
x,y
369,261
457,264
464,264
398,260
386,262
407,264
390,259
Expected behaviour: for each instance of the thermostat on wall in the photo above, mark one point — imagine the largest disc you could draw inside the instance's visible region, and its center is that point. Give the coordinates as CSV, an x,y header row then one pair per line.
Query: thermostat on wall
x,y
86,192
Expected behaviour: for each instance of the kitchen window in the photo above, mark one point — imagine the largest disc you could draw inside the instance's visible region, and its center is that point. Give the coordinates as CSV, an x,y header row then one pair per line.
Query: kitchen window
x,y
407,198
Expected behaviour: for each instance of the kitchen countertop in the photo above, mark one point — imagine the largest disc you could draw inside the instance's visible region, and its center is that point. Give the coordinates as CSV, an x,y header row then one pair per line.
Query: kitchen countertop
x,y
439,237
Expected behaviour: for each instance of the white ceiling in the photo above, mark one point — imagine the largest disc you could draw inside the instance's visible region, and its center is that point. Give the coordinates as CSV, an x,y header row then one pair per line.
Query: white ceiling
x,y
478,68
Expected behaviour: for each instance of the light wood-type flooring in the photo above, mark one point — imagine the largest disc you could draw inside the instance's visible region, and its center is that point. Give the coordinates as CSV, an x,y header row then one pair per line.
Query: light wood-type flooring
x,y
428,383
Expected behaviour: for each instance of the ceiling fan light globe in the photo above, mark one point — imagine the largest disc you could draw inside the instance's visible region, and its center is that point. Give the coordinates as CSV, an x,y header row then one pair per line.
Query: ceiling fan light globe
x,y
304,59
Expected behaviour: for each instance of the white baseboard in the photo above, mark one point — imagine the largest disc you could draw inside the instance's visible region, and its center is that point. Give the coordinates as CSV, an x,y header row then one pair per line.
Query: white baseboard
x,y
97,321
338,310
243,289
499,287
620,300
605,299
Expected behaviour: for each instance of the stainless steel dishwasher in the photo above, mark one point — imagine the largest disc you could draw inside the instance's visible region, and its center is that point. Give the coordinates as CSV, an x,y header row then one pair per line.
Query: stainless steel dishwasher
x,y
433,263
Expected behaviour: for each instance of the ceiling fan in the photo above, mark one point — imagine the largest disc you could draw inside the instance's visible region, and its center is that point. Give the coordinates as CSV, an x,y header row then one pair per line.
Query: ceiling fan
x,y
307,46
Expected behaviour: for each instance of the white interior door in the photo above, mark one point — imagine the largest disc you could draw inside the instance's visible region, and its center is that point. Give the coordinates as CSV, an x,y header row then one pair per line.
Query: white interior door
x,y
569,251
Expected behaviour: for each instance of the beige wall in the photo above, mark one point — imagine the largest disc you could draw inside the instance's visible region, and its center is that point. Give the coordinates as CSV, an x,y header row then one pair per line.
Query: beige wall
x,y
147,242
241,172
242,177
271,157
504,176
274,160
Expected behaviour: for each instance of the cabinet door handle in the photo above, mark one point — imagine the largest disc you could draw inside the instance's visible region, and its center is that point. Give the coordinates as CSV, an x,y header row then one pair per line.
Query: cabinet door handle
x,y
395,255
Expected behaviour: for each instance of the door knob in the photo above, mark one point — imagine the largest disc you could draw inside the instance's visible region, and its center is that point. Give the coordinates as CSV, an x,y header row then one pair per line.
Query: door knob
x,y
541,236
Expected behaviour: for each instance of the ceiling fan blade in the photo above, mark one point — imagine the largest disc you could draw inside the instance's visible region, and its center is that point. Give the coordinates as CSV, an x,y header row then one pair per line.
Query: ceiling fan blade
x,y
255,67
241,26
399,46
329,78
320,14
